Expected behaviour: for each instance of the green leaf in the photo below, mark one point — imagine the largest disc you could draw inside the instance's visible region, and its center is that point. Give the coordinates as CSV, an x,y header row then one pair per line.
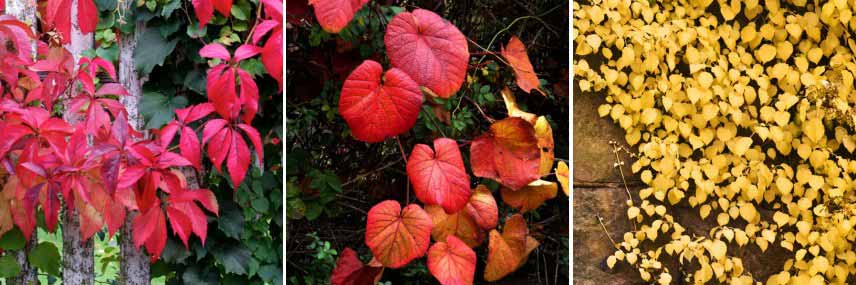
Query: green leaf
x,y
268,272
169,28
13,240
45,257
170,7
235,259
9,266
152,50
110,54
261,204
253,66
193,30
158,109
105,5
241,10
313,210
195,275
231,220
195,80
173,253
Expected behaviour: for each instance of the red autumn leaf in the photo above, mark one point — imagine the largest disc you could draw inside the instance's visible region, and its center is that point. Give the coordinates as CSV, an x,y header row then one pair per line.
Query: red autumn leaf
x,y
189,141
531,196
509,251
452,262
482,207
508,153
58,16
205,9
460,224
334,15
377,107
225,142
112,211
515,54
429,49
439,177
397,236
180,224
91,221
149,229
470,223
272,50
351,271
222,82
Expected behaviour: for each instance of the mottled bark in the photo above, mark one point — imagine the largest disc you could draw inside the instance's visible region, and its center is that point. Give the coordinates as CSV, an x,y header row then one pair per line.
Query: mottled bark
x,y
28,273
134,267
77,255
25,11
78,264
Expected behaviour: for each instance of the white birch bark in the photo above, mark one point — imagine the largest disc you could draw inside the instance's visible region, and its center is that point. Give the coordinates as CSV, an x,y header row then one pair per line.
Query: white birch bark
x,y
78,266
134,267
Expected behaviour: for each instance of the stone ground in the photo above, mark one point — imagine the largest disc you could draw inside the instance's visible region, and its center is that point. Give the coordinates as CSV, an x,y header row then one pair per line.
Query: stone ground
x,y
599,191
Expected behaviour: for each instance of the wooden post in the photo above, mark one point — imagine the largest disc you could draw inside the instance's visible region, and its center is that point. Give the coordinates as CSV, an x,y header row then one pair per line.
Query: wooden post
x,y
77,255
25,11
134,267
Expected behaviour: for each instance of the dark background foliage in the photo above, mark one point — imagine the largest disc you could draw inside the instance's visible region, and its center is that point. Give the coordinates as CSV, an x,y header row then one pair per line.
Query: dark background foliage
x,y
333,179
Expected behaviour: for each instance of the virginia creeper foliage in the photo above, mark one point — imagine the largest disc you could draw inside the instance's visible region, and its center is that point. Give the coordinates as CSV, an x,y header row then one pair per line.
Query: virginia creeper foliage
x,y
91,160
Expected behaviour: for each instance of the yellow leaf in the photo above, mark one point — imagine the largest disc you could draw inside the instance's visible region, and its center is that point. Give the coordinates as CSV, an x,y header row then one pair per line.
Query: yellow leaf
x,y
813,128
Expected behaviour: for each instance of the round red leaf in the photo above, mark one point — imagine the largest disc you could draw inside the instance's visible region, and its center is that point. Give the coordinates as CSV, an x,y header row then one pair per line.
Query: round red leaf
x,y
452,262
378,107
334,15
438,175
429,49
397,236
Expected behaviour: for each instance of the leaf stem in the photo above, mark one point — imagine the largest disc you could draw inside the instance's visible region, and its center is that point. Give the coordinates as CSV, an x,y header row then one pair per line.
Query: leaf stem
x,y
404,157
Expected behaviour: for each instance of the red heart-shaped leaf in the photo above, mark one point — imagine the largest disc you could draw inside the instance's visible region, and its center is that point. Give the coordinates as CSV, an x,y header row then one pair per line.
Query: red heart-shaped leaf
x,y
482,207
397,236
508,153
334,15
351,271
452,262
439,177
429,49
378,107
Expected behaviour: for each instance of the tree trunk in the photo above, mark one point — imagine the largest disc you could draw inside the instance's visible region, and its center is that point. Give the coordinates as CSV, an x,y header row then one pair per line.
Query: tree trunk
x,y
134,267
25,11
28,273
77,254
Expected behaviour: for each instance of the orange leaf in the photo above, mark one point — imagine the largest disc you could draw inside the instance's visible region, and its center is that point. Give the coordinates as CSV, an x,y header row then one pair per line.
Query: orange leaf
x,y
562,176
397,236
482,207
508,153
459,224
515,54
530,197
6,196
452,262
508,252
351,271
